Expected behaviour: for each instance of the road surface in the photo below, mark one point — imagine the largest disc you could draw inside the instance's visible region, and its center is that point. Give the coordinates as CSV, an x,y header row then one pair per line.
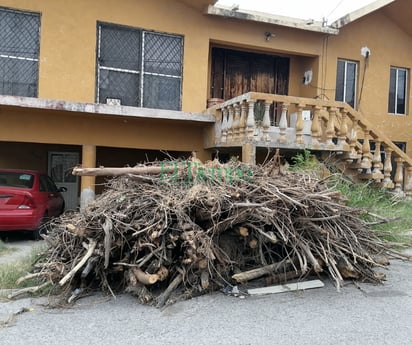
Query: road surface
x,y
363,314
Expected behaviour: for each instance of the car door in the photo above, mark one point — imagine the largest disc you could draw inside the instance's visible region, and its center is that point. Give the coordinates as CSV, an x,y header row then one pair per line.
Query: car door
x,y
54,198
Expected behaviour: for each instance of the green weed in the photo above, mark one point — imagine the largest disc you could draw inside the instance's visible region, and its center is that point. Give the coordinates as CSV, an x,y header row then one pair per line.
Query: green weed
x,y
304,161
5,249
380,202
10,272
367,196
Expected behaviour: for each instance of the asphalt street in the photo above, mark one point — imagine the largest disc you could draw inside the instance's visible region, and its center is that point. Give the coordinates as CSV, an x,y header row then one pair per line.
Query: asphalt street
x,y
358,314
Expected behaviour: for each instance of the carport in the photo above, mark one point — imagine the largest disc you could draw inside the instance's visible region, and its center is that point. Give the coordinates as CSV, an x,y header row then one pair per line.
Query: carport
x,y
54,136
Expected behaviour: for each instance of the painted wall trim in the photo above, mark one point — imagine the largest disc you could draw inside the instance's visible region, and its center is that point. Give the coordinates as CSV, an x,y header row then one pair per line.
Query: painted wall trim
x,y
104,109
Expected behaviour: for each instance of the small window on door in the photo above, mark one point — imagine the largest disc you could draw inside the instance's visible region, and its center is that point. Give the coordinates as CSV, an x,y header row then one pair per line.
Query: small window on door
x,y
346,81
398,91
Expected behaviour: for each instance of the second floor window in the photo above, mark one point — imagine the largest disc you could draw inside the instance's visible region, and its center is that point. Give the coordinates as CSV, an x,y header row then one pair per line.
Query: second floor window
x,y
19,52
346,80
398,90
139,68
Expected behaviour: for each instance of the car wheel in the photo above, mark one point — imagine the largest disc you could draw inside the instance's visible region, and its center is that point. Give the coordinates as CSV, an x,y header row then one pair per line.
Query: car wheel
x,y
42,229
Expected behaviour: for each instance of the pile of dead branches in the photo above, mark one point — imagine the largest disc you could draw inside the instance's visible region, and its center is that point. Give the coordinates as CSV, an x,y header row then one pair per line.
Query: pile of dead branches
x,y
176,229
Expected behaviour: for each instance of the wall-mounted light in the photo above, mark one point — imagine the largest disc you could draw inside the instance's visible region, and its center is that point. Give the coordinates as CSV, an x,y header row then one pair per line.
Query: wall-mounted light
x,y
269,35
307,77
365,52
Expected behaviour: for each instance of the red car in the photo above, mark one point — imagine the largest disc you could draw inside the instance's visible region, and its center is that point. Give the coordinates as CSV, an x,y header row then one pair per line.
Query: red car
x,y
28,199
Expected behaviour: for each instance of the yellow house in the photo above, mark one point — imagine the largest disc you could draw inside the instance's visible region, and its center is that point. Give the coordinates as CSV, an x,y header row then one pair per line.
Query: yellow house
x,y
115,83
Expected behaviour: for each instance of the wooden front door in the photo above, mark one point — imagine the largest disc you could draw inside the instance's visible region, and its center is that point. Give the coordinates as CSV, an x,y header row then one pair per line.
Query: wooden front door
x,y
235,72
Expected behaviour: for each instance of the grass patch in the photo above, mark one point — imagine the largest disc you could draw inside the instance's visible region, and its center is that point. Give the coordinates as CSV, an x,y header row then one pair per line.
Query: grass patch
x,y
10,272
4,250
382,203
365,196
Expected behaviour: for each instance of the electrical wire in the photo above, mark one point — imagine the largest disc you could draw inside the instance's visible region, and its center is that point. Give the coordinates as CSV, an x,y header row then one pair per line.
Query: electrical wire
x,y
363,82
336,7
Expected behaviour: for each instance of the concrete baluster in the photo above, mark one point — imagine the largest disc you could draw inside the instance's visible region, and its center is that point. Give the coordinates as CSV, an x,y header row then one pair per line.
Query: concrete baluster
x,y
283,123
366,162
377,159
299,124
236,121
266,123
316,128
250,122
398,179
408,181
242,120
230,123
353,137
387,168
330,128
224,124
343,130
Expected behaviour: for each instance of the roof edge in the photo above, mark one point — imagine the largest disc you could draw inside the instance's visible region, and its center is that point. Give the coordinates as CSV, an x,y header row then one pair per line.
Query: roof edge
x,y
261,17
352,16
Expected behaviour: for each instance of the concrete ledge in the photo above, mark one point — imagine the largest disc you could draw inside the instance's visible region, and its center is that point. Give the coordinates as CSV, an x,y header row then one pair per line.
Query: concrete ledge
x,y
104,109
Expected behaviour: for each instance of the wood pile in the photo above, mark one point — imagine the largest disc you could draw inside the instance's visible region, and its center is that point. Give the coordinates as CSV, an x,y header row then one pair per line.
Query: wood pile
x,y
172,230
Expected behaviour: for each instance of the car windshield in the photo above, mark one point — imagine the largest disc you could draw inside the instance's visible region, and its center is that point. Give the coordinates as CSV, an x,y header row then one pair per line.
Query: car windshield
x,y
16,179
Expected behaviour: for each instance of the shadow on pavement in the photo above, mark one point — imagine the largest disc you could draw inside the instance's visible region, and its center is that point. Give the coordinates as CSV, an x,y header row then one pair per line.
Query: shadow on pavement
x,y
15,236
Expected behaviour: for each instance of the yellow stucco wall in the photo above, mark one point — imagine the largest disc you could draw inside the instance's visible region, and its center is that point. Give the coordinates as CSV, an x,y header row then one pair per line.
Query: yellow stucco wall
x,y
390,46
68,41
77,128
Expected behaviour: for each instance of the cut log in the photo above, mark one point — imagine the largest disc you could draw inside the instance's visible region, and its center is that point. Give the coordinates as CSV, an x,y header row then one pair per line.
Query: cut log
x,y
162,299
243,231
107,228
259,272
283,277
202,264
68,276
204,279
90,265
75,230
253,243
151,170
162,273
347,270
143,277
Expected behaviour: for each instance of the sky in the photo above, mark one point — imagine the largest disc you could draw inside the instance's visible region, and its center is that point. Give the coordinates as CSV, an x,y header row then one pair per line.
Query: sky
x,y
304,9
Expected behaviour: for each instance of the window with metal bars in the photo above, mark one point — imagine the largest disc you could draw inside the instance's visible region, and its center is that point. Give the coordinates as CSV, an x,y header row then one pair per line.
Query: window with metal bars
x,y
19,52
139,68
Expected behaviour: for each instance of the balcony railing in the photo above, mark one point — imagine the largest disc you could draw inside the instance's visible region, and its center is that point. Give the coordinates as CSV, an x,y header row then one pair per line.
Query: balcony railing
x,y
269,120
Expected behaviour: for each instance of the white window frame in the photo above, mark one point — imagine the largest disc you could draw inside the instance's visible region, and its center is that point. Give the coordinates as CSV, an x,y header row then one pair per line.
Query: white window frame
x,y
397,69
345,80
